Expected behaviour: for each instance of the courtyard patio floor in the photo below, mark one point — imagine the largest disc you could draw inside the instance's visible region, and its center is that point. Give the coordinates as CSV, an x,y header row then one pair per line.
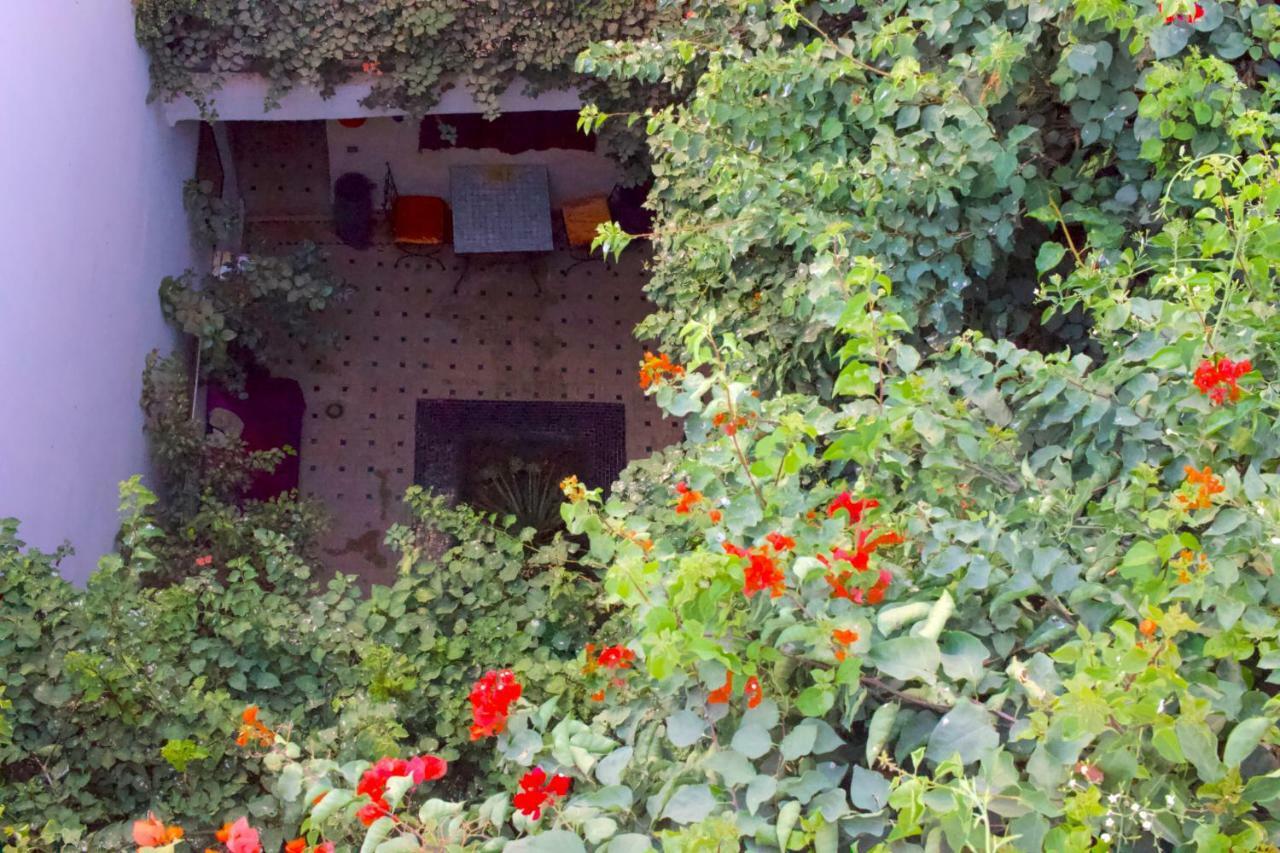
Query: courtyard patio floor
x,y
404,336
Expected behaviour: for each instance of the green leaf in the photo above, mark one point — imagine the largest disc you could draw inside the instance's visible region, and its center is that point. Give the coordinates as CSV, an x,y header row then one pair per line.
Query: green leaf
x,y
1049,256
878,730
1244,739
752,741
962,656
966,731
376,834
1200,748
629,843
760,791
816,701
907,658
798,742
689,804
733,767
685,728
868,790
555,841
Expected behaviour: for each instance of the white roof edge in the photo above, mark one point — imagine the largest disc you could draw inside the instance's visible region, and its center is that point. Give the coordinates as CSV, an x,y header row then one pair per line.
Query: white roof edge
x,y
242,98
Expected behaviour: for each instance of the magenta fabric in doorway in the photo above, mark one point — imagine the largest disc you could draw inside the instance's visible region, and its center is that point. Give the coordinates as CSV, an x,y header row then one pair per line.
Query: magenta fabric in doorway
x,y
271,412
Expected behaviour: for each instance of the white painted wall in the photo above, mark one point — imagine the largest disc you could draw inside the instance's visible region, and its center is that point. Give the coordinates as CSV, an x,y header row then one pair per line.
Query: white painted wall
x,y
243,97
572,174
91,220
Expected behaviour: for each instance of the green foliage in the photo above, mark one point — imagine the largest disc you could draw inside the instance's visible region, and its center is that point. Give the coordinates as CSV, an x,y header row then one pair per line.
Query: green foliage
x,y
202,475
127,698
213,221
522,493
928,135
412,49
247,309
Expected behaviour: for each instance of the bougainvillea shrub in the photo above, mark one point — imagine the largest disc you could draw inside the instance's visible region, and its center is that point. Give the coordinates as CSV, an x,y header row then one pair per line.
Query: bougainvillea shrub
x,y
125,697
911,583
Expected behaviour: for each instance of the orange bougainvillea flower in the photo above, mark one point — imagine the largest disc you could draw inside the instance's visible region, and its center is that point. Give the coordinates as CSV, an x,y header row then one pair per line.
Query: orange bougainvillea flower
x,y
730,425
753,692
722,694
688,497
297,845
152,832
780,542
715,516
843,639
657,368
1206,486
573,490
598,696
252,730
761,571
1147,628
855,508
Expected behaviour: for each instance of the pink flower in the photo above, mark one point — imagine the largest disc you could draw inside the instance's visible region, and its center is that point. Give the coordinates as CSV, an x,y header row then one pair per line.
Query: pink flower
x,y
239,837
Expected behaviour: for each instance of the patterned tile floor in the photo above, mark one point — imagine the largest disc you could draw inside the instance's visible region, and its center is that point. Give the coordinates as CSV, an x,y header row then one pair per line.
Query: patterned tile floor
x,y
404,336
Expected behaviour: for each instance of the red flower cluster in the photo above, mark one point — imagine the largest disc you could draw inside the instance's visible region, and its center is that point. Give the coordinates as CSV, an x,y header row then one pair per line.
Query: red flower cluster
x,y
855,508
761,571
616,657
859,561
730,425
1218,381
656,368
724,693
491,700
1190,19
780,543
253,730
206,560
688,497
537,791
373,784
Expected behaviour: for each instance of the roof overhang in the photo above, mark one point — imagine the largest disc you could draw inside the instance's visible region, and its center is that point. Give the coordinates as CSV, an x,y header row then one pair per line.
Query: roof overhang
x,y
242,97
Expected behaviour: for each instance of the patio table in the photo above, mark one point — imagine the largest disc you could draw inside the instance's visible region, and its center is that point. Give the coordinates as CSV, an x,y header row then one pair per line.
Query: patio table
x,y
500,209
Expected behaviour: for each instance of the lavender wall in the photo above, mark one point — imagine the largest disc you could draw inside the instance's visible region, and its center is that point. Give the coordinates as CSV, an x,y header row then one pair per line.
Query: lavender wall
x,y
90,220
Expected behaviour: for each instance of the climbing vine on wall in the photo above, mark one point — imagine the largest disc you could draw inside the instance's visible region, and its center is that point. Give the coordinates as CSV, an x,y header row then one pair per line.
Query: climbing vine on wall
x,y
410,48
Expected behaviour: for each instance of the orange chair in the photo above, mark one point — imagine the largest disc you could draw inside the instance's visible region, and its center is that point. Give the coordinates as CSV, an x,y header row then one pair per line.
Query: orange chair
x,y
582,217
417,221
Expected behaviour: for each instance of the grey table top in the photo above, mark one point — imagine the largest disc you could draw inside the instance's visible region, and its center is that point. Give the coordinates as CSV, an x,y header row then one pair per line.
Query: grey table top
x,y
500,209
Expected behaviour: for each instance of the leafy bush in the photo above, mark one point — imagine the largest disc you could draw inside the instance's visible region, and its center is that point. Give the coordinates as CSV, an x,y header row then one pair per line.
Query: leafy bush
x,y
127,698
917,652
246,311
947,140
